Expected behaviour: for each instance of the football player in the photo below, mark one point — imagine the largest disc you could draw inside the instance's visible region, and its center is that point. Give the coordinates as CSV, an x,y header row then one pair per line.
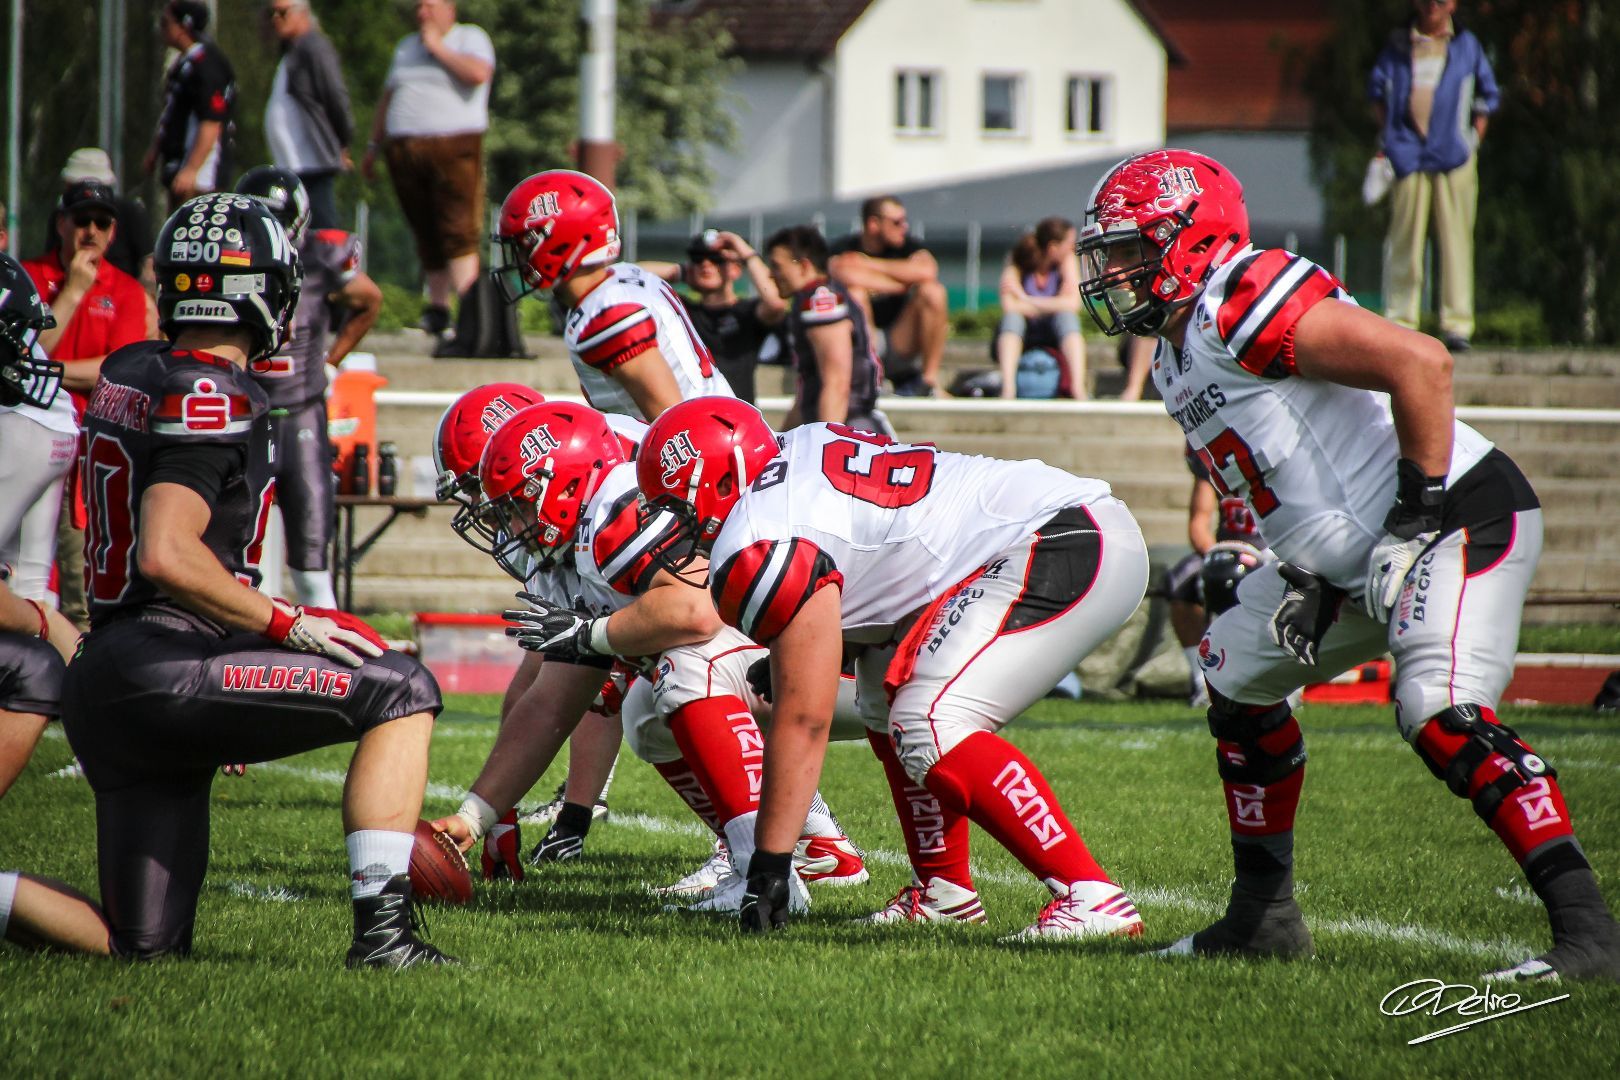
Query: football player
x,y
187,666
967,587
294,378
1397,526
560,493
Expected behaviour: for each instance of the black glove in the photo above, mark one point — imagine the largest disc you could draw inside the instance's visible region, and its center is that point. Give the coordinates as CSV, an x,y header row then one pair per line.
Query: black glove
x,y
759,678
765,904
1309,606
558,632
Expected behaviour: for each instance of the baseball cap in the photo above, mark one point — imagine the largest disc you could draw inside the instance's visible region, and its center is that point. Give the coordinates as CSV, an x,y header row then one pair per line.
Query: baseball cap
x,y
190,14
698,248
88,193
89,163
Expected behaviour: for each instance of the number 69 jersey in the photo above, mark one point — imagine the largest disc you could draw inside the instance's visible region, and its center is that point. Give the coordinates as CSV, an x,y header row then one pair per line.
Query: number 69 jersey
x,y
894,524
1314,460
160,415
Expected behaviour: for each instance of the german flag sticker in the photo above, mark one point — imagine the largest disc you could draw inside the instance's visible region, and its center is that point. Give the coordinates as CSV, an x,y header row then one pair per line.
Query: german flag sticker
x,y
231,257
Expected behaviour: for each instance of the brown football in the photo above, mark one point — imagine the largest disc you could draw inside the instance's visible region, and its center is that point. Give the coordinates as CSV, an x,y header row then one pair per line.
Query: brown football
x,y
438,868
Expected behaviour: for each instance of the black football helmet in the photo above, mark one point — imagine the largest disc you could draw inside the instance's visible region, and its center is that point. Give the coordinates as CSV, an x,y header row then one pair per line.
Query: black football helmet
x,y
1225,566
224,259
283,193
25,379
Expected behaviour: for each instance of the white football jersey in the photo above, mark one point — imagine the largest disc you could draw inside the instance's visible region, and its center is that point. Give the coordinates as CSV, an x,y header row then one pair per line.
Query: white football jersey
x,y
895,524
1314,460
630,312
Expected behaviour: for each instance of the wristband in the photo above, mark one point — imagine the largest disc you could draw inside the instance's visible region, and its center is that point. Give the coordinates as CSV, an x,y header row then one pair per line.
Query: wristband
x,y
44,624
598,636
281,623
769,862
478,814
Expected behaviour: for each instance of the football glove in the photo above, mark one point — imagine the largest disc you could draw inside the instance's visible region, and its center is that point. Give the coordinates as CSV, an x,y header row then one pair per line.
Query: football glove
x,y
305,631
558,632
765,903
1309,606
1410,529
759,678
502,844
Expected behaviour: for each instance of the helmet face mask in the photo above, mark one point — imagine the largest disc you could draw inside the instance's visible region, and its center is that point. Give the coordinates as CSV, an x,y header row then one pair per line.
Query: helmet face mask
x,y
458,446
25,379
1117,272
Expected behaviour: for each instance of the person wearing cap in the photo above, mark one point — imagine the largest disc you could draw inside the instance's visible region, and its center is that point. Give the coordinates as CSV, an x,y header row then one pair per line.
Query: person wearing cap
x,y
307,122
131,246
98,309
192,145
733,329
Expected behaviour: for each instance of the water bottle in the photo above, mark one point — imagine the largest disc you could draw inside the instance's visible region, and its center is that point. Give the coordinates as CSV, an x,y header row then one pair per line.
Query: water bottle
x,y
360,470
387,468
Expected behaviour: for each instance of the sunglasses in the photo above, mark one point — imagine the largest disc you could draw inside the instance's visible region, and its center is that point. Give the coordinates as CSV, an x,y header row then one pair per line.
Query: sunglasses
x,y
708,257
100,221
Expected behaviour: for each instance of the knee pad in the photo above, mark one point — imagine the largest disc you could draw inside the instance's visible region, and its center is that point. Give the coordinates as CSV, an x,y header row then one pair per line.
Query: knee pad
x,y
1483,740
1262,762
1233,721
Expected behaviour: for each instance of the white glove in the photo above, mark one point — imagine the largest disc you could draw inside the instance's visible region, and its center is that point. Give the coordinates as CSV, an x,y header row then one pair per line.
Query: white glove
x,y
1392,559
1411,528
317,634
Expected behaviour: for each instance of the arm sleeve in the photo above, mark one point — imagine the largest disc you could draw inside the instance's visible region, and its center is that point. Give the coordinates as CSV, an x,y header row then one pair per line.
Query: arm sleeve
x,y
762,587
211,89
206,468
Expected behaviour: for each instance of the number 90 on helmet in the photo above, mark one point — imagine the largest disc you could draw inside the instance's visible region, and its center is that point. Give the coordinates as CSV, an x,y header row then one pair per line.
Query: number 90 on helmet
x,y
537,473
696,460
223,260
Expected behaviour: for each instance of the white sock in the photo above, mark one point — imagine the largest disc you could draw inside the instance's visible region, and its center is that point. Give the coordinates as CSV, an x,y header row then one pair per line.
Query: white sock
x,y
375,856
1191,653
314,587
8,893
740,840
820,821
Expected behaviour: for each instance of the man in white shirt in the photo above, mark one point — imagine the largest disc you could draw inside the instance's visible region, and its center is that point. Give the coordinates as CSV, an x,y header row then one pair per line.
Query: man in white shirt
x,y
307,122
430,125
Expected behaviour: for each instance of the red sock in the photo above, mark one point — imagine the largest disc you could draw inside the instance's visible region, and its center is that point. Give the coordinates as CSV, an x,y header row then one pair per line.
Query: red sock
x,y
679,776
1256,810
936,837
724,747
1529,817
1003,792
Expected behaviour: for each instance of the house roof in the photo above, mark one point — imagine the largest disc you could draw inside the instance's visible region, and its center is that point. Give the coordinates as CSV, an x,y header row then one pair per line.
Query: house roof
x,y
794,28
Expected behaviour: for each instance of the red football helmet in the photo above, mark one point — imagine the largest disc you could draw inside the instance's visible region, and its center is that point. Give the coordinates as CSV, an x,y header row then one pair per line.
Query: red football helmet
x,y
537,473
1157,226
551,225
464,430
698,458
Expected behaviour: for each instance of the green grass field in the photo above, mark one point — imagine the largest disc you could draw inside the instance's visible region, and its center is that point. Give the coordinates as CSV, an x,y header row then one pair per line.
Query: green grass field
x,y
577,972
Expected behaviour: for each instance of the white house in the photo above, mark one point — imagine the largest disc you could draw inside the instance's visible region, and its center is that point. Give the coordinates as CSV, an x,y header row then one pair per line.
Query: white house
x,y
841,99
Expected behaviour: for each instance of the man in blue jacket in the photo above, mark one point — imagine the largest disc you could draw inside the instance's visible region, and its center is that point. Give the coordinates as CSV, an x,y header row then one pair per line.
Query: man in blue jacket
x,y
1432,90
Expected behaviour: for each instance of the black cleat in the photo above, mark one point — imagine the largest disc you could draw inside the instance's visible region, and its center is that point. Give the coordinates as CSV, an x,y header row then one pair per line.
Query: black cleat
x,y
559,845
1586,939
1252,926
386,928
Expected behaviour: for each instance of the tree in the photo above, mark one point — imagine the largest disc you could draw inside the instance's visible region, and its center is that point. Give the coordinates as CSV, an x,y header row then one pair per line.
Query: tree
x,y
1549,208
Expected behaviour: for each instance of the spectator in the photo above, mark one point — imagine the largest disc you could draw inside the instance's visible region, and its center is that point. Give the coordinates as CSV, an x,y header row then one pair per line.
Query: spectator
x,y
1136,357
1432,91
733,329
131,247
192,146
896,282
838,369
1040,304
307,122
98,308
430,123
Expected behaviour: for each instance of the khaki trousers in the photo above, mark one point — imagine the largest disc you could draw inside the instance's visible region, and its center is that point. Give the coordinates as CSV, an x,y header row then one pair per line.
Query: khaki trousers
x,y
1451,198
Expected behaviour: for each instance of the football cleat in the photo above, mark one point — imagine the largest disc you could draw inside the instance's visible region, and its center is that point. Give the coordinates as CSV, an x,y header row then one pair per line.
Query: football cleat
x,y
386,928
1251,927
727,897
1089,909
941,902
547,812
1586,945
700,882
557,846
829,860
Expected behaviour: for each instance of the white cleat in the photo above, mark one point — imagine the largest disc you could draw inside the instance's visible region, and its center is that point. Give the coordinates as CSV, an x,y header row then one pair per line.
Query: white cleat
x,y
941,902
727,897
829,860
1089,909
700,882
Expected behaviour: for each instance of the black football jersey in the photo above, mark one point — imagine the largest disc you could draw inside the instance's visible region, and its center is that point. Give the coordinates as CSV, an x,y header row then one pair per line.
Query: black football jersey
x,y
165,415
817,304
296,375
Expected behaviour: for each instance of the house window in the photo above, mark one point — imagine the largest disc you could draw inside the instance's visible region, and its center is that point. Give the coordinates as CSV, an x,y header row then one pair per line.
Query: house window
x,y
1085,107
916,101
1003,104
